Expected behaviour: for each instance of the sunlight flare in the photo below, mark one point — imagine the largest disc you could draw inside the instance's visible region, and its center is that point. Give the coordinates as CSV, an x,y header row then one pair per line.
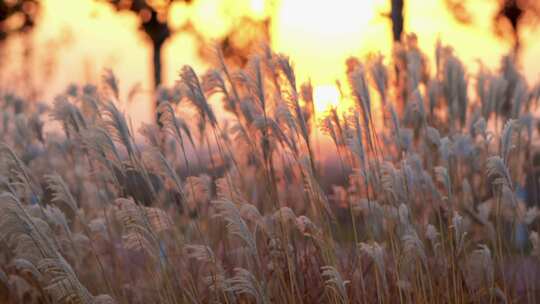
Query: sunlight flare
x,y
325,97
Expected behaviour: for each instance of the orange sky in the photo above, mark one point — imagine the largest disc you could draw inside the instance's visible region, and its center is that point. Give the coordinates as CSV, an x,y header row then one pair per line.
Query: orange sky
x,y
318,35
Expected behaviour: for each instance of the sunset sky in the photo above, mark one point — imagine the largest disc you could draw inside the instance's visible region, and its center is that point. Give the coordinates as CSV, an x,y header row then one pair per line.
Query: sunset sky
x,y
318,35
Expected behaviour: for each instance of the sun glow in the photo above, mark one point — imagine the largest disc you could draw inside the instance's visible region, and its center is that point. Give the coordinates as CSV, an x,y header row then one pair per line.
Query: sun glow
x,y
325,97
258,7
318,36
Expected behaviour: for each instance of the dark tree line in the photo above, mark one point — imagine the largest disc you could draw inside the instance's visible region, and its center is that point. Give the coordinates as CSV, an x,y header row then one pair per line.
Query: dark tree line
x,y
19,16
154,20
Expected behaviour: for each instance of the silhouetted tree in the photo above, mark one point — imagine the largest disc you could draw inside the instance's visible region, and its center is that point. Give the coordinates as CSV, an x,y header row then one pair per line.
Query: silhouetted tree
x,y
512,12
17,16
510,18
397,15
153,16
235,45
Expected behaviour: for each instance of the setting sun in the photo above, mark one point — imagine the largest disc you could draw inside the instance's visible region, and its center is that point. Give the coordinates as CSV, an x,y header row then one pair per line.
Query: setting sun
x,y
319,35
325,97
258,7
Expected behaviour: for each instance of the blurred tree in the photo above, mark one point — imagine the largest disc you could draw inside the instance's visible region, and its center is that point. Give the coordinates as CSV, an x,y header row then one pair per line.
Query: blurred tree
x,y
236,44
515,14
153,15
510,18
17,16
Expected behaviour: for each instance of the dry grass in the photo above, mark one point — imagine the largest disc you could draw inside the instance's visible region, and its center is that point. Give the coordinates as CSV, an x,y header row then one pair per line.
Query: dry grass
x,y
435,203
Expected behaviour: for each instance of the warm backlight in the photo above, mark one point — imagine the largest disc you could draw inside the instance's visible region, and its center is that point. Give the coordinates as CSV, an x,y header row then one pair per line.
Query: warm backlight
x,y
321,34
325,97
258,7
318,36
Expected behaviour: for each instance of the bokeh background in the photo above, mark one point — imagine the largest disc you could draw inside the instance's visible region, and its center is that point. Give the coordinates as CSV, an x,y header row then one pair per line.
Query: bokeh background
x,y
74,41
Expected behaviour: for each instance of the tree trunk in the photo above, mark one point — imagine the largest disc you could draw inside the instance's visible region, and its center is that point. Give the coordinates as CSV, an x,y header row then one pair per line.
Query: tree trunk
x,y
397,19
156,63
156,66
396,14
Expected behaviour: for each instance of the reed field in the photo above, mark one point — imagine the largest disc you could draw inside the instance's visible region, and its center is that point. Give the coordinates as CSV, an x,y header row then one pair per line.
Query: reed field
x,y
421,186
